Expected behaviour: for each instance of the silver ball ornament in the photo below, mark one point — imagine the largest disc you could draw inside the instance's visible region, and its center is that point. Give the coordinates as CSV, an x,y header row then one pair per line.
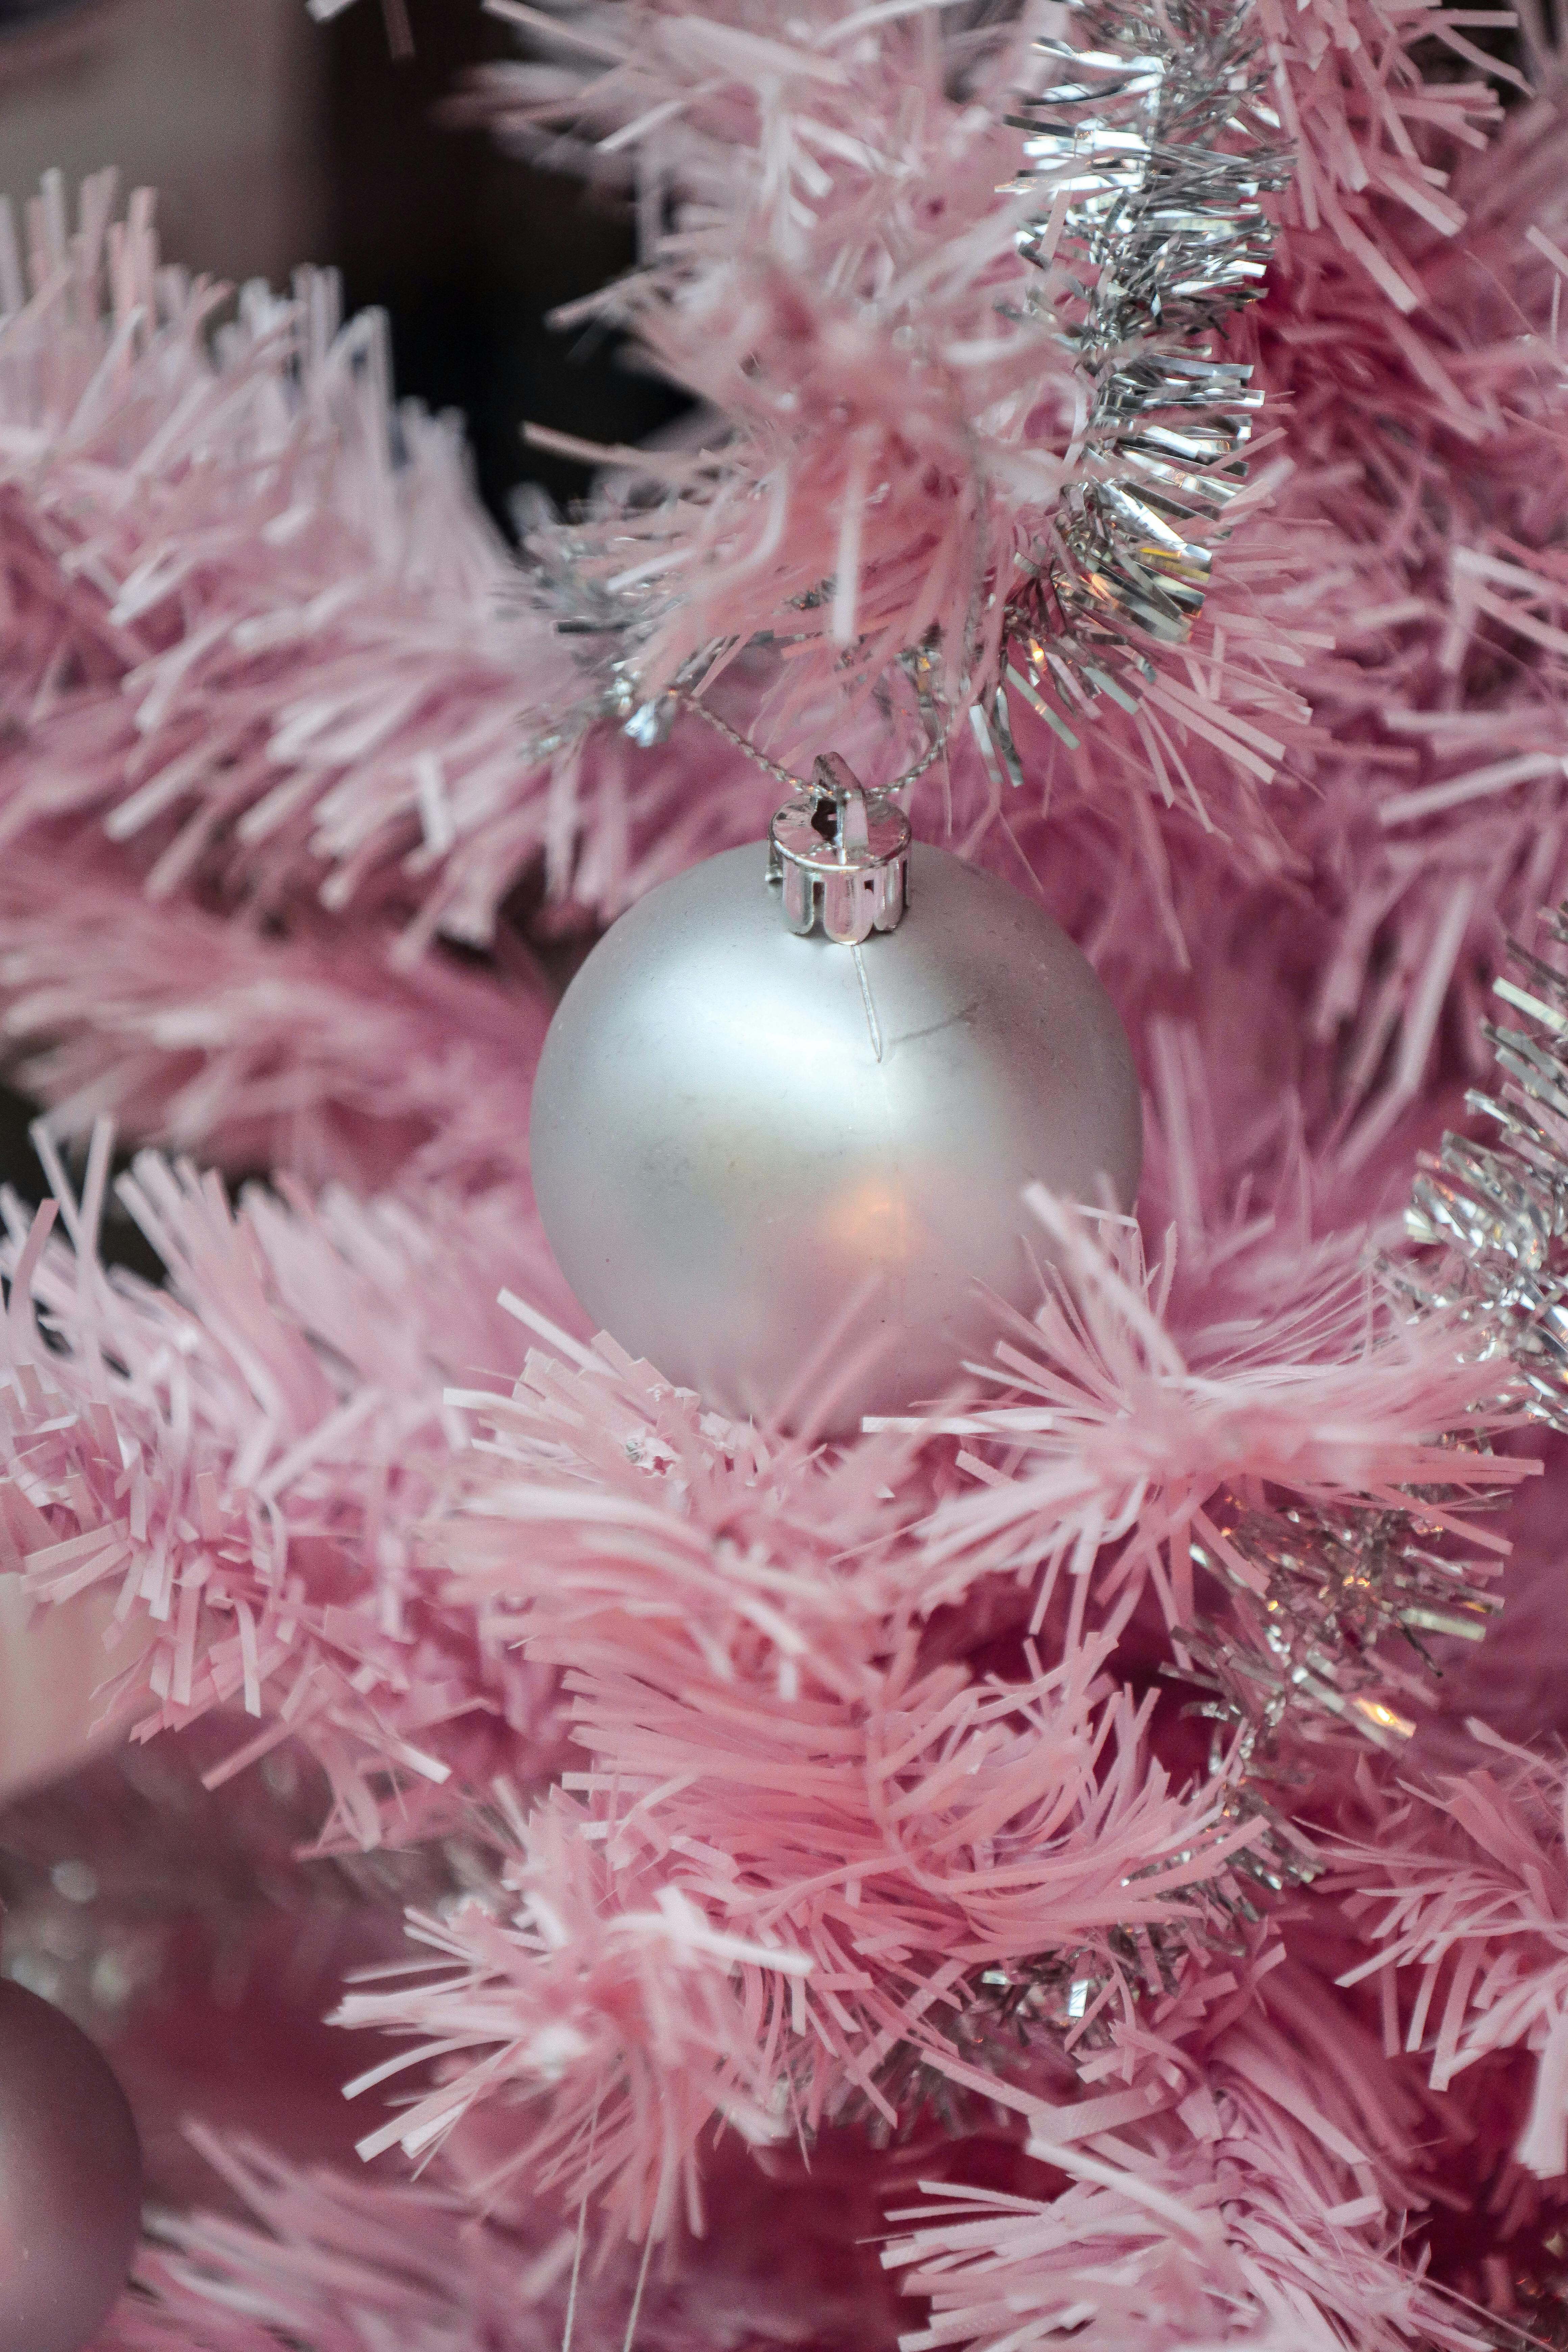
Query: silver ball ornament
x,y
729,1174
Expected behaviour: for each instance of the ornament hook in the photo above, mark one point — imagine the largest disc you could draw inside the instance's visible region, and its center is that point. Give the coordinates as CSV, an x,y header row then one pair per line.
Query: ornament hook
x,y
843,849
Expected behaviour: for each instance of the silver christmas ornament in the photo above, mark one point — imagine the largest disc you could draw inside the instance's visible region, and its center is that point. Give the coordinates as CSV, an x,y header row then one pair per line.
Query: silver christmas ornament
x,y
778,1149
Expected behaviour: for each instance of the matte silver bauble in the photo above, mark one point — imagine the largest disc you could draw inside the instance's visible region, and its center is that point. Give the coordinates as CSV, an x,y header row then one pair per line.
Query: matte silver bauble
x,y
729,1175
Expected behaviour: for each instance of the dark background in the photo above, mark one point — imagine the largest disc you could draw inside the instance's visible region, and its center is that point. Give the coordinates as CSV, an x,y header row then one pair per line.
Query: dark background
x,y
468,248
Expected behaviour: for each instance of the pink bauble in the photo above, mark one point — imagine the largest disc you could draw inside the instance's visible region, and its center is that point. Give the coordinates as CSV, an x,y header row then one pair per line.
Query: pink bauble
x,y
71,2180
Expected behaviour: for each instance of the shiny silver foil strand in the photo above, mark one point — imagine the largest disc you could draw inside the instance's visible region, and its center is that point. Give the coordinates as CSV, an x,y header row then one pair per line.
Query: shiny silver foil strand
x,y
1149,158
1497,1212
1314,1600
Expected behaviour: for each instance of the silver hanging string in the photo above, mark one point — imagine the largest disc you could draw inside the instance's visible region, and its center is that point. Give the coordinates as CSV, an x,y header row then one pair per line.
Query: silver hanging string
x,y
787,776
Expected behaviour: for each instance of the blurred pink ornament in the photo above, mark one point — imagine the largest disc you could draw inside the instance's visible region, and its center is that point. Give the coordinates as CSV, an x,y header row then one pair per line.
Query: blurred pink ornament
x,y
70,2180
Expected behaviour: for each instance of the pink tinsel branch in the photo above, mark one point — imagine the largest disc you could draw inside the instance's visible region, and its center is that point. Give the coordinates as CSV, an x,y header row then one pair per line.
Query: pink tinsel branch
x,y
242,1459
217,552
1116,1432
612,2031
314,1052
1228,2228
1466,1891
877,1810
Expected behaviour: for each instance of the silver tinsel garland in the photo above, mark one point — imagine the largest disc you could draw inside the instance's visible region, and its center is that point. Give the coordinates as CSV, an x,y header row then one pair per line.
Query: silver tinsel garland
x,y
1497,1212
1489,1220
1315,1599
1150,159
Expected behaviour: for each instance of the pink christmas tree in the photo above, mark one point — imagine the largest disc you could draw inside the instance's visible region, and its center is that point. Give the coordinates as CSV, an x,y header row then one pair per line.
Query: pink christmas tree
x,y
1084,1861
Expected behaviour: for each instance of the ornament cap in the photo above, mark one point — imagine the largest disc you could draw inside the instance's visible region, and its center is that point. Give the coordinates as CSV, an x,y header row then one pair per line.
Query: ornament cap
x,y
841,850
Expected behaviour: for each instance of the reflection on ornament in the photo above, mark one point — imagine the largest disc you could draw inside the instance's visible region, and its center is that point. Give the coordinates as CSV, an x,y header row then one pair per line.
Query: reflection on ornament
x,y
70,2180
779,1163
